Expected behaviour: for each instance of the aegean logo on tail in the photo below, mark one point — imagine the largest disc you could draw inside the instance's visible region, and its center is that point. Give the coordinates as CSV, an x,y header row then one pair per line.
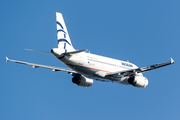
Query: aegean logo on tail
x,y
62,30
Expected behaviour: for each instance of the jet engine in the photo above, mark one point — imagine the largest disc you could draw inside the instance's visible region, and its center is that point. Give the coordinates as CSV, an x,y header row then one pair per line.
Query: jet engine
x,y
82,81
138,81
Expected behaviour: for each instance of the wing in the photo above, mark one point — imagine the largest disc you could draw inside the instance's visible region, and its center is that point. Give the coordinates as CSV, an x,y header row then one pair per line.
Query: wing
x,y
140,70
43,66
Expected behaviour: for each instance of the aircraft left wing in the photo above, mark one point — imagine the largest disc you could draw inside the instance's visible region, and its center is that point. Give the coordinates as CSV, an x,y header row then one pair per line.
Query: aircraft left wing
x,y
43,66
140,70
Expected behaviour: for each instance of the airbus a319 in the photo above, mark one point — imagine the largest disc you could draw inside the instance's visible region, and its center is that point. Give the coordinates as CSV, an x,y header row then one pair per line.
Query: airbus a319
x,y
84,66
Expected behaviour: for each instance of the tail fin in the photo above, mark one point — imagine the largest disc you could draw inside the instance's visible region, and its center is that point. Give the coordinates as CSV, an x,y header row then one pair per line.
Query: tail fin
x,y
64,41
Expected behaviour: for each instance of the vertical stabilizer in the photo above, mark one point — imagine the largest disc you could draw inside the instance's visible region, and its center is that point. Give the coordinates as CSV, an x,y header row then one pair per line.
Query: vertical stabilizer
x,y
64,41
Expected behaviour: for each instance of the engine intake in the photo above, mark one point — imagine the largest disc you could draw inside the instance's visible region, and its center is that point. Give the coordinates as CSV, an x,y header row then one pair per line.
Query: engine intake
x,y
138,81
82,81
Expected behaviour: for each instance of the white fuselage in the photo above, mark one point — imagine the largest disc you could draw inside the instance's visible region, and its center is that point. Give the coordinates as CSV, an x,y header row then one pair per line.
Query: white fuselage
x,y
96,66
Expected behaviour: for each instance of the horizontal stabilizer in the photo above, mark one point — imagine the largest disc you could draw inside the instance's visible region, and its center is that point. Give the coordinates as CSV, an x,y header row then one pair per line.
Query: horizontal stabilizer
x,y
37,51
75,52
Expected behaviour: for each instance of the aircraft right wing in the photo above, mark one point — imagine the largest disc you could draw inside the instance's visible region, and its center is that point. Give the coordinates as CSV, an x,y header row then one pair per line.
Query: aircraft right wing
x,y
44,66
140,70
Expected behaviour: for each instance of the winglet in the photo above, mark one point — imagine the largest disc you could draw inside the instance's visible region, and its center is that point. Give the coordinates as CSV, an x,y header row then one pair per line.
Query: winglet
x,y
7,59
172,61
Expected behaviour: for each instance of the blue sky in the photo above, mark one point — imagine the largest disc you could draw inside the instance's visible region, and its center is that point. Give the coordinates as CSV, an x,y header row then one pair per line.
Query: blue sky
x,y
144,32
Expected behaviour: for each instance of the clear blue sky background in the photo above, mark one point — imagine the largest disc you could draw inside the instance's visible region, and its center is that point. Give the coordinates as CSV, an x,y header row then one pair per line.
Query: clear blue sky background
x,y
144,32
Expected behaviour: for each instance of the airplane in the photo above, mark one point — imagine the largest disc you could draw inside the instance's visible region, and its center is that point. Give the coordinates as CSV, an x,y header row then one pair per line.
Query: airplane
x,y
84,66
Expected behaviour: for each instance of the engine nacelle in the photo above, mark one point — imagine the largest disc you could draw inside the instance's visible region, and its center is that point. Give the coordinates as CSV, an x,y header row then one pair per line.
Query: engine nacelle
x,y
82,81
138,81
